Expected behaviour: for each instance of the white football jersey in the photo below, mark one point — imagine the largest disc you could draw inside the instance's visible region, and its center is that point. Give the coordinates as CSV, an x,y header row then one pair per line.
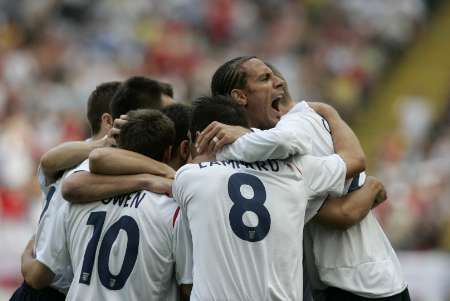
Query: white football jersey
x,y
122,248
246,221
52,202
365,263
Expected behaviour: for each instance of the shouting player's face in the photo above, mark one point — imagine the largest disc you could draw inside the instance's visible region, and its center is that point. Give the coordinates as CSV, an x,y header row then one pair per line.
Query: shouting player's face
x,y
262,94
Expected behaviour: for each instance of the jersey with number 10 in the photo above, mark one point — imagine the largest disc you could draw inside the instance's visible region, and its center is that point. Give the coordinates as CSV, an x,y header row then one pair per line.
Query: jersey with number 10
x,y
246,221
121,248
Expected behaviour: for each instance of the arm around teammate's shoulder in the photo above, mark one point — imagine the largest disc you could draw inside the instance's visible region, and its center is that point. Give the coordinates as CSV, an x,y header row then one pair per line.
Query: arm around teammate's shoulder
x,y
345,142
65,156
115,161
85,187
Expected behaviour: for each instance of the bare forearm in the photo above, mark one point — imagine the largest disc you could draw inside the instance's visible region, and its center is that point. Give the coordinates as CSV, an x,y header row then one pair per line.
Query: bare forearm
x,y
35,274
342,213
83,187
114,161
64,156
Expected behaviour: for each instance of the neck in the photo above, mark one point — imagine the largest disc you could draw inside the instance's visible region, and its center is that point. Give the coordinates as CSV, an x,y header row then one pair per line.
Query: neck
x,y
204,157
175,164
102,133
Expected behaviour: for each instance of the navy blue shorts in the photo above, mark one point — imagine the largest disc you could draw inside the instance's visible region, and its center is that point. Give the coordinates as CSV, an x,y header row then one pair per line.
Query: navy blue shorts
x,y
27,293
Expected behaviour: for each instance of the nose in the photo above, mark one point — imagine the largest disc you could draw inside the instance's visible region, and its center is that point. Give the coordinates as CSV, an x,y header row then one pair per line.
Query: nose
x,y
278,82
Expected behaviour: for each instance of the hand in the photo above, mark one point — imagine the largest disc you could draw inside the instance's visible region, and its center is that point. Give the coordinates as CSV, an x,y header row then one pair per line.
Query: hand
x,y
381,194
114,132
158,184
106,141
216,135
29,248
380,197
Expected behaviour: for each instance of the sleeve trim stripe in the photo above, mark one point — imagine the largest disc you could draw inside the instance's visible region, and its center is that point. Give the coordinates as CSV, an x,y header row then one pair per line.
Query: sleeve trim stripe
x,y
175,216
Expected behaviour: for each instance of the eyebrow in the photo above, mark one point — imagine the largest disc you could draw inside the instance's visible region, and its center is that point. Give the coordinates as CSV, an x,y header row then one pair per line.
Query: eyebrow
x,y
265,73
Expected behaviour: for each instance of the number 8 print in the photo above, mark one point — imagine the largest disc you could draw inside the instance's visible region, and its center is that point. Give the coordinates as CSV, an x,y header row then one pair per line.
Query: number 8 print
x,y
243,204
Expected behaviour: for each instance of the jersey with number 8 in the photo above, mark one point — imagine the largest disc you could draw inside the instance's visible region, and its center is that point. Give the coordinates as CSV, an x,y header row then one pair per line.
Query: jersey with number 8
x,y
247,220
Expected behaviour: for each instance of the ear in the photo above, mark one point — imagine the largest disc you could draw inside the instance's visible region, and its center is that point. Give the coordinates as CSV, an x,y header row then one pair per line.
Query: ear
x,y
107,120
185,150
167,156
239,96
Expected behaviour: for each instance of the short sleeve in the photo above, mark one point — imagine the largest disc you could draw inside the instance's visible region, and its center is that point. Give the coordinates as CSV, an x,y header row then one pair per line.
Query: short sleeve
x,y
182,184
55,254
83,166
42,180
301,107
182,249
323,175
313,206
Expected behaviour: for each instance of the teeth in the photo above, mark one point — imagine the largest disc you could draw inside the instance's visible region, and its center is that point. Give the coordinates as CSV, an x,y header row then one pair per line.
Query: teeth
x,y
277,98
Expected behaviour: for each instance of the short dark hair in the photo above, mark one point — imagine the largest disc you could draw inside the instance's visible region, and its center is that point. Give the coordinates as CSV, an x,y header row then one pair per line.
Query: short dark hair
x,y
219,108
135,93
148,132
166,89
99,103
180,114
230,76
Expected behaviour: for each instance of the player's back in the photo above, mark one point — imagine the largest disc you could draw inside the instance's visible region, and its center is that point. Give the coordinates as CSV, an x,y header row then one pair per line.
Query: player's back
x,y
246,222
364,247
121,248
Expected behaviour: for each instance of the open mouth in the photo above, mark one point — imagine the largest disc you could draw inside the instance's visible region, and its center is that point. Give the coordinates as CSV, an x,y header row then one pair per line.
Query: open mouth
x,y
276,103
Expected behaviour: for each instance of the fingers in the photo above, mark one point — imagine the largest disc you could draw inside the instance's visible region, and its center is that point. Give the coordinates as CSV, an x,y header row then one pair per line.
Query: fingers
x,y
216,135
119,122
201,136
212,143
204,140
221,142
114,132
380,197
112,136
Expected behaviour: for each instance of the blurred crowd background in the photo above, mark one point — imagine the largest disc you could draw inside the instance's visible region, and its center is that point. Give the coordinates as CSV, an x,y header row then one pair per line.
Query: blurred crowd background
x,y
54,52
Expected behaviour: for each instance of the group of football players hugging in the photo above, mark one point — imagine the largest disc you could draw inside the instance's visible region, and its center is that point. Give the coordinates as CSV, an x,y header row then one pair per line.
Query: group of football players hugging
x,y
245,194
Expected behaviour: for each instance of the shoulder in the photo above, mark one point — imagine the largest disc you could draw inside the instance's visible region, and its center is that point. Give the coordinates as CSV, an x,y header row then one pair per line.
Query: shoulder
x,y
301,112
186,169
165,205
155,203
162,212
301,107
83,166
